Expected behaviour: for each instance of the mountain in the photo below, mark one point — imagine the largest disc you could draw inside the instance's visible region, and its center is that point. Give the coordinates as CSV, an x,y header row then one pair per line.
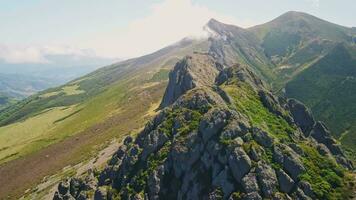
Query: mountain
x,y
315,63
221,136
67,125
21,86
20,80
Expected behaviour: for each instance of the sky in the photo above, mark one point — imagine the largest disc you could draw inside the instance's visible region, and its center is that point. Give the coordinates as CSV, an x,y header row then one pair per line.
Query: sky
x,y
31,29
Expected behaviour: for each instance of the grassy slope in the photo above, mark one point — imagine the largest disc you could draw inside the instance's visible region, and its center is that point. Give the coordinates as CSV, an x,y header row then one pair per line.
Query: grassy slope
x,y
314,68
329,88
88,112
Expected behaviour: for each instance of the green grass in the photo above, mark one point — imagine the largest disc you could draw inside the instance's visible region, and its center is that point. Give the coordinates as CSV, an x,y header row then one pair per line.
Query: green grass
x,y
328,179
329,89
161,75
248,103
19,138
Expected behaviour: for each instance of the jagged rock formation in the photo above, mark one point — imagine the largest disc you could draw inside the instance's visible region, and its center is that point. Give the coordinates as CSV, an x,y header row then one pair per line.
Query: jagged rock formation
x,y
221,135
193,71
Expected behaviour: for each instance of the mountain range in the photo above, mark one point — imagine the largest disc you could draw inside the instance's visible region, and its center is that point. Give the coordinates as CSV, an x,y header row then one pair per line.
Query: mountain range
x,y
295,56
20,80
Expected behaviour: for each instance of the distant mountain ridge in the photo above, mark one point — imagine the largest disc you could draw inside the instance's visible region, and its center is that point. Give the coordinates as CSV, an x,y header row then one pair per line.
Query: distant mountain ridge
x,y
292,52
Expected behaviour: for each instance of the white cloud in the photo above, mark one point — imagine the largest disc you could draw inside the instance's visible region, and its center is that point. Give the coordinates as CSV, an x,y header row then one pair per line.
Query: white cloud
x,y
17,55
167,23
37,54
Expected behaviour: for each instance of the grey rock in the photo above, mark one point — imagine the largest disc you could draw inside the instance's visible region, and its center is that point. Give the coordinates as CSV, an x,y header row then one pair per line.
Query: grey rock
x,y
296,148
128,140
322,149
57,196
63,187
286,183
223,180
192,71
270,102
249,183
212,123
252,196
262,137
278,156
299,195
240,163
280,196
100,194
344,162
154,182
322,135
293,165
267,179
301,115
153,142
306,188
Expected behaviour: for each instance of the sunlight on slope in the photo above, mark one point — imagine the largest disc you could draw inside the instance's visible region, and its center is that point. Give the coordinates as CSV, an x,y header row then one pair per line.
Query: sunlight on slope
x,y
16,136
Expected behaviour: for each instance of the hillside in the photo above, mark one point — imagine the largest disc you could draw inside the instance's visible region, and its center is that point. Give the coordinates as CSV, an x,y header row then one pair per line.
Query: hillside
x,y
314,63
84,115
5,101
226,137
331,94
296,55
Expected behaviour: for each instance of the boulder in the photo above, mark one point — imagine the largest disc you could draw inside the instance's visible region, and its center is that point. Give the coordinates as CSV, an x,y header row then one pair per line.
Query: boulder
x,y
240,163
262,137
153,142
249,183
306,188
286,183
267,179
212,123
222,180
293,165
301,115
154,183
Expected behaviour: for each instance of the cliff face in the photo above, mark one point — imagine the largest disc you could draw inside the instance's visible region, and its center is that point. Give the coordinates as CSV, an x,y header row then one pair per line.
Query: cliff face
x,y
221,135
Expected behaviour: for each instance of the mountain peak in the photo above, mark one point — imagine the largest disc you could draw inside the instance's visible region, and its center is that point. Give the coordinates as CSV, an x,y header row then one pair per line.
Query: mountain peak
x,y
220,27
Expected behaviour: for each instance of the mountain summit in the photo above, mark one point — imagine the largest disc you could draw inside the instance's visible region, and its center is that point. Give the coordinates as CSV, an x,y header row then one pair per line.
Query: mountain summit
x,y
233,120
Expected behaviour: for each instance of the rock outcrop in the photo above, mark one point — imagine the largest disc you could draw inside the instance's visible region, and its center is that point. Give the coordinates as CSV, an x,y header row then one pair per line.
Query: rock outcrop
x,y
193,71
220,135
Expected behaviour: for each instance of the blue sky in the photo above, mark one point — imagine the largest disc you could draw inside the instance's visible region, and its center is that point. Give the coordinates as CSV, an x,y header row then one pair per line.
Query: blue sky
x,y
120,28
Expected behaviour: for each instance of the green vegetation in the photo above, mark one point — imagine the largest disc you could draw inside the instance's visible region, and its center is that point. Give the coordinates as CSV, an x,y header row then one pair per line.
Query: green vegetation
x,y
161,75
5,101
247,102
280,43
19,138
332,94
328,179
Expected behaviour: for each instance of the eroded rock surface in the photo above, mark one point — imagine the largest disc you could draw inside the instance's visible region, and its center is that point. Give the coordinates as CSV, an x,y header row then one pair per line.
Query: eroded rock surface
x,y
242,143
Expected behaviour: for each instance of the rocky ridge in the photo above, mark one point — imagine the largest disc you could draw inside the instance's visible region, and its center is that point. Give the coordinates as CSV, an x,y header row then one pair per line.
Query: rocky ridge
x,y
221,135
